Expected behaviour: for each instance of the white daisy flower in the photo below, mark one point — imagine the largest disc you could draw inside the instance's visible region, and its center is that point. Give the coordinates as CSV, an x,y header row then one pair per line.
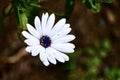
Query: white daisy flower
x,y
48,40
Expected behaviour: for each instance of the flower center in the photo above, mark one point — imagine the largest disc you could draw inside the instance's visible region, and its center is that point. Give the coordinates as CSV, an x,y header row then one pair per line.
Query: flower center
x,y
45,41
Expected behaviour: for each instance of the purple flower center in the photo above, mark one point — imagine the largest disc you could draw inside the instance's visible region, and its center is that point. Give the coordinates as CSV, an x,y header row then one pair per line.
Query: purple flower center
x,y
45,41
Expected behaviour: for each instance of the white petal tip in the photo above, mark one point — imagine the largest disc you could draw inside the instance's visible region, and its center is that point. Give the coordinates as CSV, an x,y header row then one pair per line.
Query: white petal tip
x,y
63,19
46,13
62,61
34,54
46,63
27,49
23,32
36,17
67,59
43,14
53,14
67,25
55,63
27,24
72,51
26,41
73,37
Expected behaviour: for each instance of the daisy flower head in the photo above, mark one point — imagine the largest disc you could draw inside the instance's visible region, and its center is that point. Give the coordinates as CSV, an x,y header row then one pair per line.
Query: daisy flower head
x,y
48,40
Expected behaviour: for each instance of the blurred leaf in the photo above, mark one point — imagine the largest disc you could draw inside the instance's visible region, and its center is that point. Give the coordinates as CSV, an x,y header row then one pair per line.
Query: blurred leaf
x,y
93,62
94,5
91,51
112,73
102,54
106,45
76,54
28,1
71,65
107,1
92,68
33,1
69,6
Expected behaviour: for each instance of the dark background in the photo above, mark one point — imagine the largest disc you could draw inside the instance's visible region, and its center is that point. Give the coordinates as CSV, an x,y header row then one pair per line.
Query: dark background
x,y
89,29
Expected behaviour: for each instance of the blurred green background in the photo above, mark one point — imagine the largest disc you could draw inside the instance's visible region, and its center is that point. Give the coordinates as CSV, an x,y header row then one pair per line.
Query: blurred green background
x,y
97,53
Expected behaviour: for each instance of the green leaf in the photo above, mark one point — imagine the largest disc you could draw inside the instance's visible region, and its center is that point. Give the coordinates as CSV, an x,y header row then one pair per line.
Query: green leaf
x,y
107,1
29,1
26,14
87,3
91,51
23,20
102,54
69,6
106,45
94,5
33,11
112,73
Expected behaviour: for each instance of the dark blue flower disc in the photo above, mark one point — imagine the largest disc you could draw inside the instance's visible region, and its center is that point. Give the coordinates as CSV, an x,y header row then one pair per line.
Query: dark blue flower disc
x,y
45,41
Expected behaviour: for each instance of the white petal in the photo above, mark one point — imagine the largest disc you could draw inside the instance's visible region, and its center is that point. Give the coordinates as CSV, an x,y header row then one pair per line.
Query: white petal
x,y
60,24
61,57
65,57
28,49
67,25
27,35
65,39
62,33
68,45
33,31
50,55
37,23
46,63
50,23
36,50
32,41
44,21
43,57
63,49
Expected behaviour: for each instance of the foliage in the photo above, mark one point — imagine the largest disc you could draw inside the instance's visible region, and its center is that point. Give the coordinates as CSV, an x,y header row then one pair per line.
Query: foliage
x,y
93,66
69,6
95,5
26,10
